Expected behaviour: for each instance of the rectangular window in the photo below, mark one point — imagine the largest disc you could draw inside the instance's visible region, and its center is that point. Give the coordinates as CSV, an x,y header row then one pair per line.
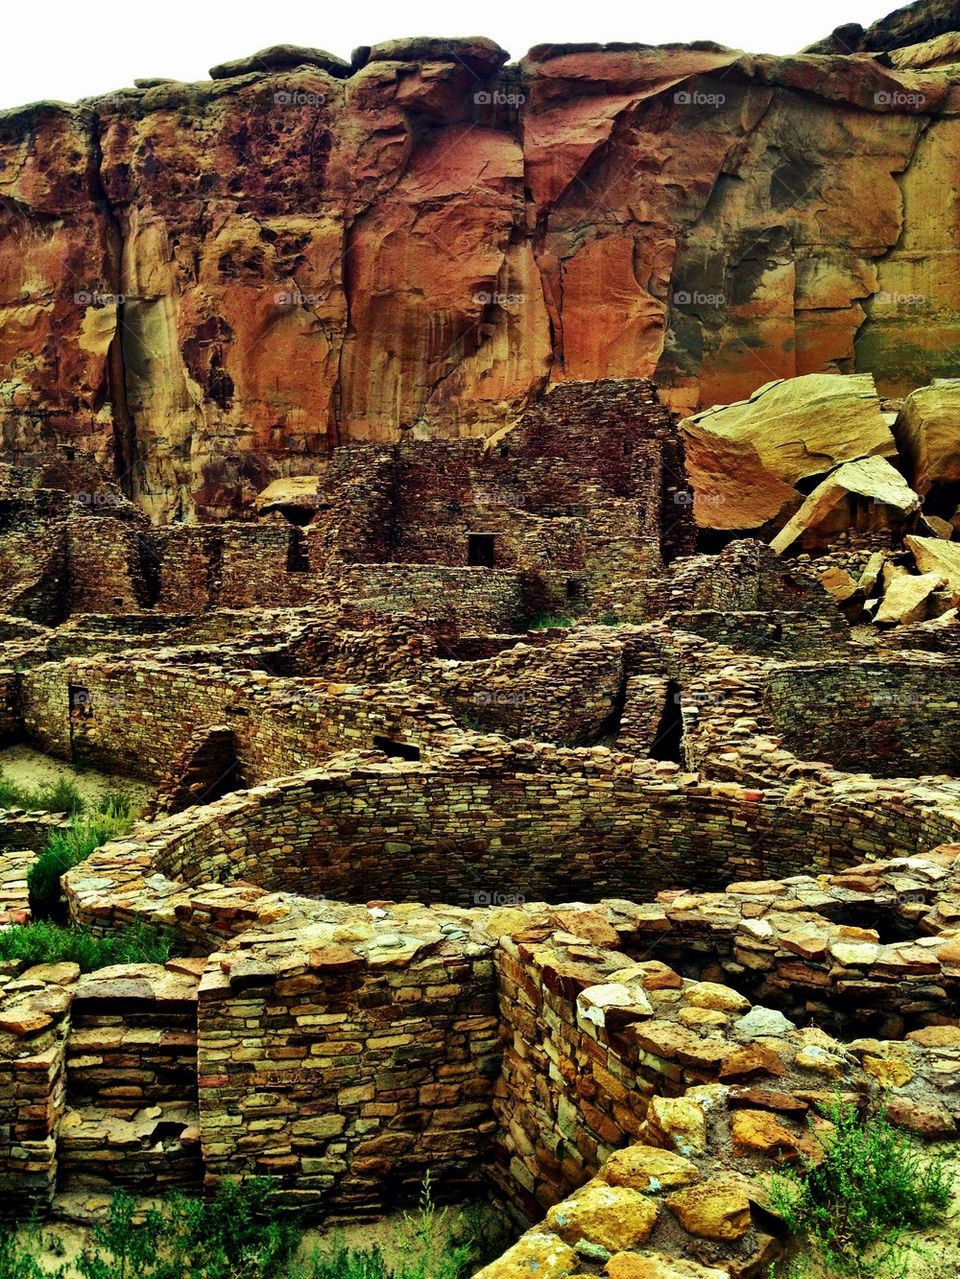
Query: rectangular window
x,y
480,549
396,750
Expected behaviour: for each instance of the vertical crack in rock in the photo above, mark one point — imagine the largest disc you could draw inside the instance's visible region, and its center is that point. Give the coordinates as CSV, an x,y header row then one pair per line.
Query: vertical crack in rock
x,y
124,425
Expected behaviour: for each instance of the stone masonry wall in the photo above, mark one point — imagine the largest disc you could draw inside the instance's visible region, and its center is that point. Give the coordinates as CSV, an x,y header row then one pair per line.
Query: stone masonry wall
x,y
544,825
480,598
349,1072
137,716
32,1088
889,718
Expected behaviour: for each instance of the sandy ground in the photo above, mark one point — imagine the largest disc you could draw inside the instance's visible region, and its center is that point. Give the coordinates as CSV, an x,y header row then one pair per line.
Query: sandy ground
x,y
28,767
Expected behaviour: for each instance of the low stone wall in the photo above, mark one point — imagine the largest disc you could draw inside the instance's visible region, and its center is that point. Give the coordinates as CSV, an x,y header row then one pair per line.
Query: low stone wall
x,y
350,1071
889,717
344,1050
28,833
600,1035
567,690
489,818
136,716
14,891
690,1199
33,1026
479,598
131,1115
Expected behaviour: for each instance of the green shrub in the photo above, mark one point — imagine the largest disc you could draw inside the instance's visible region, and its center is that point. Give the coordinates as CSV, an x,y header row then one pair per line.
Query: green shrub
x,y
871,1186
228,1237
43,942
60,796
15,1261
431,1244
115,803
609,619
236,1235
426,1243
336,1261
547,621
66,849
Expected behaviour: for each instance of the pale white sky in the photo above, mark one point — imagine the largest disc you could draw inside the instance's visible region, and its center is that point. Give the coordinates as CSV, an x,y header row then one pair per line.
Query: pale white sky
x,y
68,49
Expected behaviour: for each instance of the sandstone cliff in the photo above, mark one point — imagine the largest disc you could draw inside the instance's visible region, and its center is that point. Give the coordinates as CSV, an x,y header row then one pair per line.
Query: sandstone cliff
x,y
207,286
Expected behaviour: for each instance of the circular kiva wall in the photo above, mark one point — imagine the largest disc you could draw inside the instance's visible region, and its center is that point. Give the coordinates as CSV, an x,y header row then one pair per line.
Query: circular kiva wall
x,y
483,824
889,718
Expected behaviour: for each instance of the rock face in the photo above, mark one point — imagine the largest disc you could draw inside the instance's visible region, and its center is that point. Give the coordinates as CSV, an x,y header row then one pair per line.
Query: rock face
x,y
206,287
744,459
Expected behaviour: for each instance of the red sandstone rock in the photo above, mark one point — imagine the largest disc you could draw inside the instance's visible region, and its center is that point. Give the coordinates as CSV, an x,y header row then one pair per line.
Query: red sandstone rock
x,y
936,1036
303,256
765,1099
928,1119
760,1131
334,959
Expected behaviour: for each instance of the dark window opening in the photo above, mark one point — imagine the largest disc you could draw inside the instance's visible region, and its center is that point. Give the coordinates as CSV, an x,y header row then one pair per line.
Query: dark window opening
x,y
668,743
298,559
573,588
299,515
118,600
81,703
627,448
148,586
480,550
396,750
504,450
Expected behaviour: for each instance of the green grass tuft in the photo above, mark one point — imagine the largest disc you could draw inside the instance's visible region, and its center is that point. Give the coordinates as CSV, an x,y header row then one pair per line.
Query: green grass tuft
x,y
852,1209
239,1234
431,1244
43,942
61,796
547,621
16,1261
64,850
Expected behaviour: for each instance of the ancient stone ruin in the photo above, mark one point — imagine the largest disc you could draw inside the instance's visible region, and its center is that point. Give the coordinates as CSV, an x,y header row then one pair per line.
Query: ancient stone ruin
x,y
551,708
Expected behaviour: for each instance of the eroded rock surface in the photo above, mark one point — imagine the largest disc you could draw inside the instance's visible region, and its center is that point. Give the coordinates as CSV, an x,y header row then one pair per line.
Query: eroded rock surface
x,y
208,286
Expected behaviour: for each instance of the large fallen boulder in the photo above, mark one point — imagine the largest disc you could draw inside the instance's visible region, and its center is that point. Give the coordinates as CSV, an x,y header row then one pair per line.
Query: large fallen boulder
x,y
834,506
743,460
933,555
290,493
908,599
927,431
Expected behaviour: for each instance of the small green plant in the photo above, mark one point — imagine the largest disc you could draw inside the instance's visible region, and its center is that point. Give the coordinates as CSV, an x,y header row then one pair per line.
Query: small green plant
x,y
43,942
232,1236
426,1243
852,1208
336,1261
66,849
115,803
609,619
431,1243
61,796
16,1260
547,621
